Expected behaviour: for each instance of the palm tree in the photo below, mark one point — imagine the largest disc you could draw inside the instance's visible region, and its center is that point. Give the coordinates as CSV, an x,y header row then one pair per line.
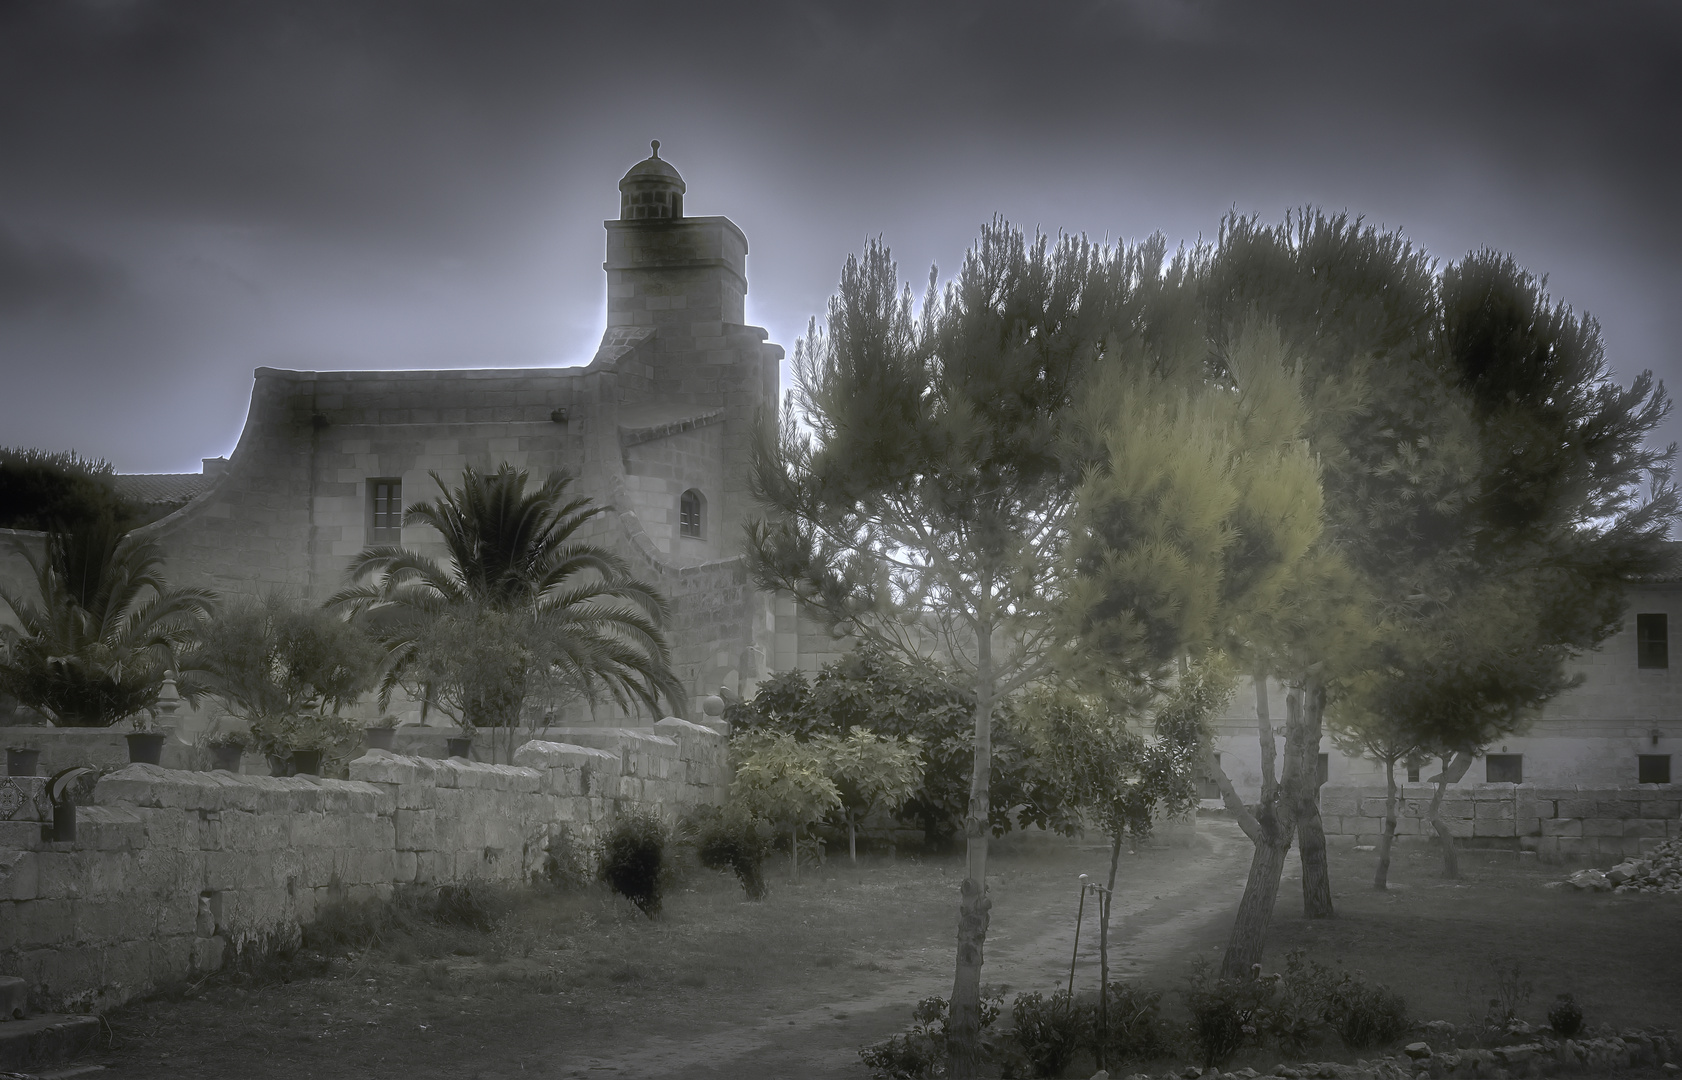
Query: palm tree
x,y
106,629
523,604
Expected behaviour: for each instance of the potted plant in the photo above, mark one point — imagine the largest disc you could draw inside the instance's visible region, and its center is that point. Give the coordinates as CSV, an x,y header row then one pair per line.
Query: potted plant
x,y
145,742
381,734
287,668
461,745
299,745
227,748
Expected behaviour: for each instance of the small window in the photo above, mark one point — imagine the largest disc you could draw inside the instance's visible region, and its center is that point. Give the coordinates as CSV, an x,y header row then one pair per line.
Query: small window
x,y
1323,769
691,514
385,510
1504,769
1652,768
1652,641
1413,773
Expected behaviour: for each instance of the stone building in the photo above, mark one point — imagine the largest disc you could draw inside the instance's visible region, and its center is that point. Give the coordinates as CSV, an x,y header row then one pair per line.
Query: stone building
x,y
1621,726
657,425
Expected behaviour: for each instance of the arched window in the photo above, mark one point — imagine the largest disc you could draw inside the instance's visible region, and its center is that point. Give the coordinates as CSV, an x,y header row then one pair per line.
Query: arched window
x,y
692,514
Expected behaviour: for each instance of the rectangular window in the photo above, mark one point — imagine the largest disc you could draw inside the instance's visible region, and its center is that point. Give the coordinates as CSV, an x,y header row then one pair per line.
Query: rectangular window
x,y
1413,773
1652,768
1504,768
1323,770
1652,641
385,510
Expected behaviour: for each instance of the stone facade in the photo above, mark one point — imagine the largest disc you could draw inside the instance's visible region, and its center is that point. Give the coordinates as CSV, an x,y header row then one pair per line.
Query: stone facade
x,y
1557,822
667,406
1594,735
172,870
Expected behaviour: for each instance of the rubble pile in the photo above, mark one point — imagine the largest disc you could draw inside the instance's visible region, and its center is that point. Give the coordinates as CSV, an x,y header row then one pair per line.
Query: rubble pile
x,y
1660,871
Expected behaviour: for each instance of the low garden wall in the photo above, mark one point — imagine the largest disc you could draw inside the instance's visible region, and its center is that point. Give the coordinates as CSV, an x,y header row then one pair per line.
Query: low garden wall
x,y
1599,823
174,871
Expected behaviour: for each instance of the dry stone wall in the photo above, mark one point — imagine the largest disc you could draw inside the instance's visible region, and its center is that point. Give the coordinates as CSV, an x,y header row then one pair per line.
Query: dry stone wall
x,y
173,872
1576,822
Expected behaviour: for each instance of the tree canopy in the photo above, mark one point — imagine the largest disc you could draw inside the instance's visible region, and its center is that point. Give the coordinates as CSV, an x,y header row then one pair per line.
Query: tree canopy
x,y
93,645
521,602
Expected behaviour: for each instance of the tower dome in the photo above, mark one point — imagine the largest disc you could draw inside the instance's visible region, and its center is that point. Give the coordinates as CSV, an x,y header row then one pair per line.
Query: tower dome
x,y
652,190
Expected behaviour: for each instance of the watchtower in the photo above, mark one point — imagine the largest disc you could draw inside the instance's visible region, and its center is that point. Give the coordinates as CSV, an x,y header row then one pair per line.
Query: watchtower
x,y
673,273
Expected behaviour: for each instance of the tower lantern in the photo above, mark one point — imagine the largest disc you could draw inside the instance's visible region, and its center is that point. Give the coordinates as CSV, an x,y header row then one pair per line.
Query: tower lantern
x,y
652,190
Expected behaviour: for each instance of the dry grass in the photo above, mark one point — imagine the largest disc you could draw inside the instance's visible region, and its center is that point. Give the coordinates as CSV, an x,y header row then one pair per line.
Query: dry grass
x,y
565,984
1448,945
449,999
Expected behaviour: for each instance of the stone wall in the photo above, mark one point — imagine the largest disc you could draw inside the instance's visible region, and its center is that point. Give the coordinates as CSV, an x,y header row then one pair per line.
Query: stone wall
x,y
1601,824
172,872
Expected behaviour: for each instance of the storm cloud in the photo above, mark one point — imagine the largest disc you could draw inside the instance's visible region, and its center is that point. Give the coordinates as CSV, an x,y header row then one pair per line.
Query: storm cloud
x,y
202,187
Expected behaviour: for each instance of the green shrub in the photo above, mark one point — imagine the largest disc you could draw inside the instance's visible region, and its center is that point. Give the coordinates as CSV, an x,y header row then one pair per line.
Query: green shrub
x,y
919,1052
1049,1030
465,904
568,863
1223,1012
632,859
730,840
866,689
1136,1029
1363,1014
1566,1017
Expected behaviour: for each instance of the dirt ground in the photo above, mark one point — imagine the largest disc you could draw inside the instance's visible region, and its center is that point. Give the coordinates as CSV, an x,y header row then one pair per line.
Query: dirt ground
x,y
581,985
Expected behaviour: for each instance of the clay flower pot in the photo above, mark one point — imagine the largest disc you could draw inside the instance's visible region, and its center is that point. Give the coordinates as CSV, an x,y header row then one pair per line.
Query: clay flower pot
x,y
380,738
145,747
226,758
306,762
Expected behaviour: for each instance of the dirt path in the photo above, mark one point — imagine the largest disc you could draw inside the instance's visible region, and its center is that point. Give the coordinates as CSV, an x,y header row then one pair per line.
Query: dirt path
x,y
1181,906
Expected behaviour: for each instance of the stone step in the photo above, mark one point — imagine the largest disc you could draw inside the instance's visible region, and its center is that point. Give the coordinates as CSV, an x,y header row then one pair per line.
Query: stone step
x,y
45,1040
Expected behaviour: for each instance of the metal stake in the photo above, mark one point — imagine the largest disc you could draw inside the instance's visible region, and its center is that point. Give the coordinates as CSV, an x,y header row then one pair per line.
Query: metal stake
x,y
1079,915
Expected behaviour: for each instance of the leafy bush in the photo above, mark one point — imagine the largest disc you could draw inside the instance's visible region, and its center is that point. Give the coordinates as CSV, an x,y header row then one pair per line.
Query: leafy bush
x,y
865,689
734,841
632,859
1224,1012
919,1052
1049,1030
1367,1015
1566,1017
1136,1029
567,862
466,904
1363,1014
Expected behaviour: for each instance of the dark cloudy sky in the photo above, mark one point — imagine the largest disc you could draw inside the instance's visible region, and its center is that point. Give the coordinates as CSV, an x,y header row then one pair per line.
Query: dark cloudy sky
x,y
191,189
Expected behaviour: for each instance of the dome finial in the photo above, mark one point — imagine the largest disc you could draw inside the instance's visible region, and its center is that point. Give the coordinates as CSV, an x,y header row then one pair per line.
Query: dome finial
x,y
655,144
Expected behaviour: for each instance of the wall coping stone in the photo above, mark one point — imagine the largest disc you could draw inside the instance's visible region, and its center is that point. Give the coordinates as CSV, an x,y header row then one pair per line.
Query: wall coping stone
x,y
540,754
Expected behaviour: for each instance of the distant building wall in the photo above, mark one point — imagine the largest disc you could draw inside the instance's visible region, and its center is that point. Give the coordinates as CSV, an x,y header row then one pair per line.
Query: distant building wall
x,y
1594,735
1599,823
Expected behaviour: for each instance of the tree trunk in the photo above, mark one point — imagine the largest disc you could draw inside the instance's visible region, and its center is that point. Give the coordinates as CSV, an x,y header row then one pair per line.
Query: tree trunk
x,y
1104,950
1311,831
794,852
1453,770
1381,879
1103,975
1264,732
963,1028
1255,910
852,841
1275,825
